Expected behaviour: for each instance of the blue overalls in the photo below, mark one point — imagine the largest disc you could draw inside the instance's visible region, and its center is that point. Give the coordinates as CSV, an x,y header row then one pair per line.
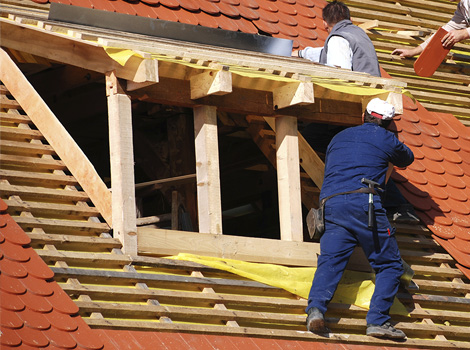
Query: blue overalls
x,y
359,152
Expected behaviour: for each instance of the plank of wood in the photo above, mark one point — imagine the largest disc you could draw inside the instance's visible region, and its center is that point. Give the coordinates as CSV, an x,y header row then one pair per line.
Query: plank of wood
x,y
122,164
288,179
32,162
14,117
207,169
69,226
56,134
298,93
42,179
51,209
211,83
24,148
177,180
20,134
442,287
30,192
71,242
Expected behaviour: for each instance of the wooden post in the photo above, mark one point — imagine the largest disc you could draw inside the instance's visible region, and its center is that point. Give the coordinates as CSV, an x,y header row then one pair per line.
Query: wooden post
x,y
207,170
122,164
288,179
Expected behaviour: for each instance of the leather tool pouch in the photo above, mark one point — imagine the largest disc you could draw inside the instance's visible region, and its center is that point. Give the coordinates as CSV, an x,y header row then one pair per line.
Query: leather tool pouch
x,y
316,217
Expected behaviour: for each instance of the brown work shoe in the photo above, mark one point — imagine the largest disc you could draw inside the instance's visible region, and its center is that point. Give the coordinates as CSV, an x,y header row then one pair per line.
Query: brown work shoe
x,y
316,321
385,331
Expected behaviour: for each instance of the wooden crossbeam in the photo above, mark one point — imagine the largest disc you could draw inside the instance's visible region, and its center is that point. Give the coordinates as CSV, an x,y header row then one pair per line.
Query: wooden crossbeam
x,y
211,83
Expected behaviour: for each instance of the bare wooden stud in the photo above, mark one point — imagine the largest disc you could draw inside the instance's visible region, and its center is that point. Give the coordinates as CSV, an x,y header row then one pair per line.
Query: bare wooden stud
x,y
122,164
207,169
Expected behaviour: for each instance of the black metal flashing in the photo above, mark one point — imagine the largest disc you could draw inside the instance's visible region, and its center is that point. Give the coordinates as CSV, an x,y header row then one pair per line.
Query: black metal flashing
x,y
170,30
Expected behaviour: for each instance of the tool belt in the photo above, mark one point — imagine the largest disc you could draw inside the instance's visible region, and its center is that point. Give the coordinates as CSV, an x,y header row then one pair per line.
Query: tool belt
x,y
316,217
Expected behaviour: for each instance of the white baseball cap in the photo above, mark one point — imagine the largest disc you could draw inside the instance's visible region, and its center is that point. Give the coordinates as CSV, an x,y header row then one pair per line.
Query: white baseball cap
x,y
380,109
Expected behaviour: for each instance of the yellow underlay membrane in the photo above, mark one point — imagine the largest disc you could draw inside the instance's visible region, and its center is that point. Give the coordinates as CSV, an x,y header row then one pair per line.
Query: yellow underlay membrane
x,y
123,55
355,288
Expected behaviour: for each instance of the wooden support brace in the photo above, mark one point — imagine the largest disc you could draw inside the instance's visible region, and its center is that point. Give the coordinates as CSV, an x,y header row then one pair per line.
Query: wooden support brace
x,y
207,170
288,179
299,93
122,164
211,83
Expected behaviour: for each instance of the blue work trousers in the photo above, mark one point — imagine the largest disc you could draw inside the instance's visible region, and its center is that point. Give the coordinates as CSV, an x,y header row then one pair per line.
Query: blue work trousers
x,y
346,226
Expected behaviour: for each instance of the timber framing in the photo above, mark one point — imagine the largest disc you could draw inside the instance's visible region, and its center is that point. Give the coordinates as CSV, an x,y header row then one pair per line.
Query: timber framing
x,y
125,280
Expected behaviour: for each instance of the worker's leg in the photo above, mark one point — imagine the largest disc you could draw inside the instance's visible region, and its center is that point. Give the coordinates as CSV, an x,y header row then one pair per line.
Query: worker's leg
x,y
336,246
384,257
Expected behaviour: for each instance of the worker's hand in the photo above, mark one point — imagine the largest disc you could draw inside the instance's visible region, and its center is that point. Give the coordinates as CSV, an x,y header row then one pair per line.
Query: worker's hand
x,y
295,53
408,52
453,37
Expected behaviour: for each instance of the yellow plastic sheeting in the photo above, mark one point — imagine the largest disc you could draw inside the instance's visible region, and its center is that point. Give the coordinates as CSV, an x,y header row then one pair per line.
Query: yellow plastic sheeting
x,y
123,55
355,288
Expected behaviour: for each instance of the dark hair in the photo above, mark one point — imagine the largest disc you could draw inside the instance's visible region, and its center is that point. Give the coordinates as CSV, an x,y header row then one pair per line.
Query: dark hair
x,y
368,118
335,11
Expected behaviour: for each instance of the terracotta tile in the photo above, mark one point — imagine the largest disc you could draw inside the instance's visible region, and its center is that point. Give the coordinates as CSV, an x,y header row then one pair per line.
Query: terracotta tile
x,y
151,2
463,235
172,4
441,206
12,268
35,302
232,2
209,8
462,258
32,337
228,10
82,3
15,233
11,284
453,169
459,207
454,181
245,343
447,131
416,166
427,129
409,127
418,202
286,8
291,2
221,342
410,139
408,103
263,343
453,157
173,341
293,345
2,237
266,27
287,30
268,16
143,338
189,5
252,4
104,5
306,33
83,337
11,302
122,6
197,341
435,179
430,142
458,126
33,319
410,187
36,266
61,301
207,20
460,220
124,340
306,3
144,10
37,286
437,191
227,23
464,269
248,13
417,179
448,143
306,12
10,319
411,117
62,321
166,14
14,252
187,17
267,5
432,166
60,339
438,230
9,337
246,26
425,116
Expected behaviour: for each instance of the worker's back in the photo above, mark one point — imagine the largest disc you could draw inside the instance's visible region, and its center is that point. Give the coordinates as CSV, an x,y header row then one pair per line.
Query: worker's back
x,y
361,152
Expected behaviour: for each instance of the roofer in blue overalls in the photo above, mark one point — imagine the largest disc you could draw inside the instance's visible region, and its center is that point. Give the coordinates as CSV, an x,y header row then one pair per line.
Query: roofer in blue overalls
x,y
357,160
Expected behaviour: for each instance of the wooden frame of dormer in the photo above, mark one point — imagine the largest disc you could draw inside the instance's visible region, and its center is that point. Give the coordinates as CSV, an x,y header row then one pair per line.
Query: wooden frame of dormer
x,y
207,80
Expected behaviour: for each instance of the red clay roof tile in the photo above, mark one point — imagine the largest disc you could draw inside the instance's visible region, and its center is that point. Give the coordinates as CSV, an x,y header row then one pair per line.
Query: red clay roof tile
x,y
207,20
209,7
189,5
173,4
228,10
9,337
248,13
11,285
253,4
247,26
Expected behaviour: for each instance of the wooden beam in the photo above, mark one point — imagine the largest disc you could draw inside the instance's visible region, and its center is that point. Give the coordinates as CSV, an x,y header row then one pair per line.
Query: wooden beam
x,y
211,83
288,179
207,169
298,93
73,51
159,242
122,165
57,136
